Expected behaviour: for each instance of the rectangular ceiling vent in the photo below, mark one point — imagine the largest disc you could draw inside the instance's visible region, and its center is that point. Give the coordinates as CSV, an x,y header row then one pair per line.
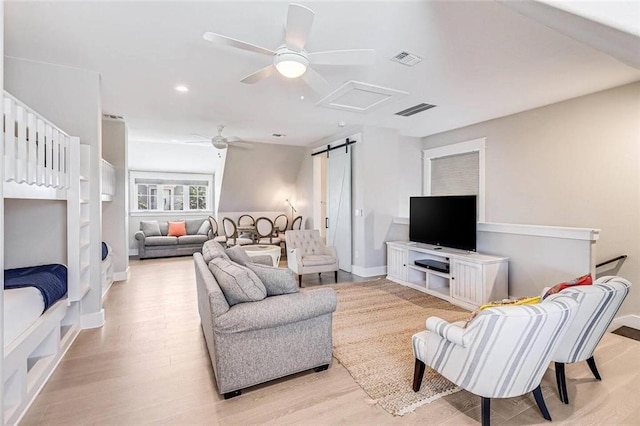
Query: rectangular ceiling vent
x,y
415,109
406,58
113,117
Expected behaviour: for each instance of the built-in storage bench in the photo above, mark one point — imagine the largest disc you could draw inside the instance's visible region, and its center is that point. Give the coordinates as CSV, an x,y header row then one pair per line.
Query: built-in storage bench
x,y
464,278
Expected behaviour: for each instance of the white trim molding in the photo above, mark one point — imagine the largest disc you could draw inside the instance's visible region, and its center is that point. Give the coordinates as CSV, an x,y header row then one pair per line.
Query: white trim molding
x,y
121,276
632,321
368,272
587,234
92,320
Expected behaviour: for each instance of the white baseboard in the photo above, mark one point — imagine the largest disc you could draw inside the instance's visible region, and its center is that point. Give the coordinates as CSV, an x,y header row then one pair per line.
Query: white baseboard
x,y
121,276
368,272
632,321
93,320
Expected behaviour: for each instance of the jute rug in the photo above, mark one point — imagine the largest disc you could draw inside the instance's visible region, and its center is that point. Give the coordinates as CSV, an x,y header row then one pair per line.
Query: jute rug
x,y
372,329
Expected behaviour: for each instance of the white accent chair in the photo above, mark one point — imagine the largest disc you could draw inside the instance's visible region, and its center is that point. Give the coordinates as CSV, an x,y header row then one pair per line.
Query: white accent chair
x,y
503,352
600,303
306,254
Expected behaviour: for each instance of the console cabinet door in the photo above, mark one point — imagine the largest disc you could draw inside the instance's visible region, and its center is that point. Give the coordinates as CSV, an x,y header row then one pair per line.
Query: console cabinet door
x,y
466,282
397,263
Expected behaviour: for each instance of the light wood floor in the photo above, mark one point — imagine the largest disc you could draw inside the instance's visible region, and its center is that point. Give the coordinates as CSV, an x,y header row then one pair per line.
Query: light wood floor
x,y
149,364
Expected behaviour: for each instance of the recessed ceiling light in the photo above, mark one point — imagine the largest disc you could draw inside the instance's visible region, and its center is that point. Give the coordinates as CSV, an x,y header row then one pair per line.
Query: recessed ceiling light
x,y
182,88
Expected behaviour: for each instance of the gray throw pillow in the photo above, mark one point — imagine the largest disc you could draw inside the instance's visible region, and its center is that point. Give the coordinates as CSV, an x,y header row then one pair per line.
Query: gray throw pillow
x,y
193,226
150,228
277,281
212,249
238,283
164,228
238,255
204,228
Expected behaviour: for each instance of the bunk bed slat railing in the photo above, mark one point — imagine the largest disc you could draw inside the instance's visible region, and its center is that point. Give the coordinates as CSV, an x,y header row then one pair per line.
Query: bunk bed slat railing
x,y
32,148
36,152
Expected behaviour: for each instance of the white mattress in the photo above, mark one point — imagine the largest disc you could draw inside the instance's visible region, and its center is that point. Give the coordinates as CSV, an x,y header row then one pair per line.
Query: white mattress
x,y
22,307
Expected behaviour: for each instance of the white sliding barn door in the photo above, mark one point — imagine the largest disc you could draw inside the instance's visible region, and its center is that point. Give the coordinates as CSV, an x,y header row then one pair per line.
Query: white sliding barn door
x,y
338,219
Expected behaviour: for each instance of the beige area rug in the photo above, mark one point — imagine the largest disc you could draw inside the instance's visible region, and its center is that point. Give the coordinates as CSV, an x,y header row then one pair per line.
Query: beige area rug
x,y
372,329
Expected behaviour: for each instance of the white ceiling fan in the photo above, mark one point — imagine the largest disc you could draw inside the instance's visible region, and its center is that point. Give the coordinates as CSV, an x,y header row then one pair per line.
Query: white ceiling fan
x,y
291,59
221,142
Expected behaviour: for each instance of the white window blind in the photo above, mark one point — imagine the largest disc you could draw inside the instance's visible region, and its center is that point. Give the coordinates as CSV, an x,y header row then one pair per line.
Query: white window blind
x,y
456,174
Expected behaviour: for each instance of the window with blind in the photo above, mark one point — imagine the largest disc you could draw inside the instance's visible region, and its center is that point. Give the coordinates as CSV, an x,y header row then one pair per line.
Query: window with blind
x,y
456,169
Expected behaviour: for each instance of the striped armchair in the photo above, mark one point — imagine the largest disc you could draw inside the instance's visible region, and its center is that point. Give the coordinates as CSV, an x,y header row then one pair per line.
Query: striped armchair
x,y
503,352
599,304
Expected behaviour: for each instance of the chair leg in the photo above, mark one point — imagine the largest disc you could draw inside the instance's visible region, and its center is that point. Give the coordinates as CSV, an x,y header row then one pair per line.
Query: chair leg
x,y
335,275
418,372
537,394
486,411
592,365
561,380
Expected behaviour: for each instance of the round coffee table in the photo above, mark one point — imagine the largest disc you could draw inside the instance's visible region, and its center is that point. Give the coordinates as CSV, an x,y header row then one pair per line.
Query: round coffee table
x,y
261,250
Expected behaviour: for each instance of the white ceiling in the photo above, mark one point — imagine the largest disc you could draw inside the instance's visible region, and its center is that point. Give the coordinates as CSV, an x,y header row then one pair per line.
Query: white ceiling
x,y
481,60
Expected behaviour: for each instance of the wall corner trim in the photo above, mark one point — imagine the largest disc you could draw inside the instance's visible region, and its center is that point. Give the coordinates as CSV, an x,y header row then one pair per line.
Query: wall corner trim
x,y
368,272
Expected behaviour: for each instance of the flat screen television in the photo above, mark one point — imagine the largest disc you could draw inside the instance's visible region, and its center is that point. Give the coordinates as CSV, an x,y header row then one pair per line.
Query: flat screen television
x,y
447,221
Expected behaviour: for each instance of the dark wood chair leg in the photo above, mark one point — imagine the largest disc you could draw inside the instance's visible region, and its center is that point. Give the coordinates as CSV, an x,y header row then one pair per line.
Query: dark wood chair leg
x,y
592,365
233,394
335,275
561,380
418,372
537,394
299,280
486,411
321,368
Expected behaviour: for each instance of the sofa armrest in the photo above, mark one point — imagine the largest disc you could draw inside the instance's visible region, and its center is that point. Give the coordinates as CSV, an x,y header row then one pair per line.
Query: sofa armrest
x,y
140,236
294,260
276,311
450,332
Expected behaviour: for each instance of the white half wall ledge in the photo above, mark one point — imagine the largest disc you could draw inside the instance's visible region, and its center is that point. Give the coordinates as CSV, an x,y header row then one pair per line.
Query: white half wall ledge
x,y
587,234
400,220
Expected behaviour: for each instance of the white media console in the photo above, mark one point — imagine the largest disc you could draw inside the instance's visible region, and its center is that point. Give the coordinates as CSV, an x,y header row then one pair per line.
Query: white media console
x,y
463,278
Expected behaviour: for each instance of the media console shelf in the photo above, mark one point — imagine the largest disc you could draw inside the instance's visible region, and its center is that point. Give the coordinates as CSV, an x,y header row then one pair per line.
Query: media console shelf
x,y
463,278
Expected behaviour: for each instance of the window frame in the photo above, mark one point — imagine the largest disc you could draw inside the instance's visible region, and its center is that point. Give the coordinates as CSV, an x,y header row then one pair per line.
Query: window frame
x,y
169,182
475,145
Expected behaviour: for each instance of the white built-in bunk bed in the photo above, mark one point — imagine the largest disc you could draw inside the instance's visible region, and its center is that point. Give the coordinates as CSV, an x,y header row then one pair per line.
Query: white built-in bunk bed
x,y
42,165
108,176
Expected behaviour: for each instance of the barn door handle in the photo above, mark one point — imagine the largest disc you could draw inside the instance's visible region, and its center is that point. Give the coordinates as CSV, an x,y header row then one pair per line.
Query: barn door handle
x,y
326,222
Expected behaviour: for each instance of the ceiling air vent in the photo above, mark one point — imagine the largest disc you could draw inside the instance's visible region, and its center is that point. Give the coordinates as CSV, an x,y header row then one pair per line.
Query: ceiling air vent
x,y
406,58
415,109
113,117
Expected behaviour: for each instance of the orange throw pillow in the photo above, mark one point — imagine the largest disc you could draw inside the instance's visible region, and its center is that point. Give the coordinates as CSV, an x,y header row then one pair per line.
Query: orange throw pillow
x,y
177,229
583,280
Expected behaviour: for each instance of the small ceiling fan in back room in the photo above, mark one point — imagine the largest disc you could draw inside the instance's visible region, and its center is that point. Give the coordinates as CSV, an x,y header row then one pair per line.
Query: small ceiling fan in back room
x,y
291,59
221,142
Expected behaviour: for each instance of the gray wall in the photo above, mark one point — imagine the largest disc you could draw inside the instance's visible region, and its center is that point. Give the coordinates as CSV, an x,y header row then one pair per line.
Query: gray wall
x,y
115,213
574,163
259,178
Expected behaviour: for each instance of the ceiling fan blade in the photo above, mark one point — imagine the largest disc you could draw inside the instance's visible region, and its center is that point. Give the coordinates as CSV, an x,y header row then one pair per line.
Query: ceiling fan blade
x,y
259,75
240,144
299,21
228,41
202,141
234,139
315,81
343,57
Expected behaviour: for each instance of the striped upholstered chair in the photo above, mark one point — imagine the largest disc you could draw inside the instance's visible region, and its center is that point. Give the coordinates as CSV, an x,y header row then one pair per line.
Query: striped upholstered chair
x,y
600,303
503,352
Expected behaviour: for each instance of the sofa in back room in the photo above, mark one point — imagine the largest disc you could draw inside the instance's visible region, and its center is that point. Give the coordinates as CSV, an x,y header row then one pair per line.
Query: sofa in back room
x,y
174,238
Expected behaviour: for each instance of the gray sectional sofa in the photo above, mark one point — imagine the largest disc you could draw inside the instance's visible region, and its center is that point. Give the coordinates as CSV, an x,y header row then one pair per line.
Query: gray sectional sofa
x,y
153,240
283,330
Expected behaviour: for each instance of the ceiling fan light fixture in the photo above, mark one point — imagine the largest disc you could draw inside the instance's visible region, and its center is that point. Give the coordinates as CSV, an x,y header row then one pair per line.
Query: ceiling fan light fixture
x,y
290,64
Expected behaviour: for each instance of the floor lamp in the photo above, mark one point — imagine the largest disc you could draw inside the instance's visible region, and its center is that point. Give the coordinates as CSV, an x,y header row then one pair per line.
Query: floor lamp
x,y
293,210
